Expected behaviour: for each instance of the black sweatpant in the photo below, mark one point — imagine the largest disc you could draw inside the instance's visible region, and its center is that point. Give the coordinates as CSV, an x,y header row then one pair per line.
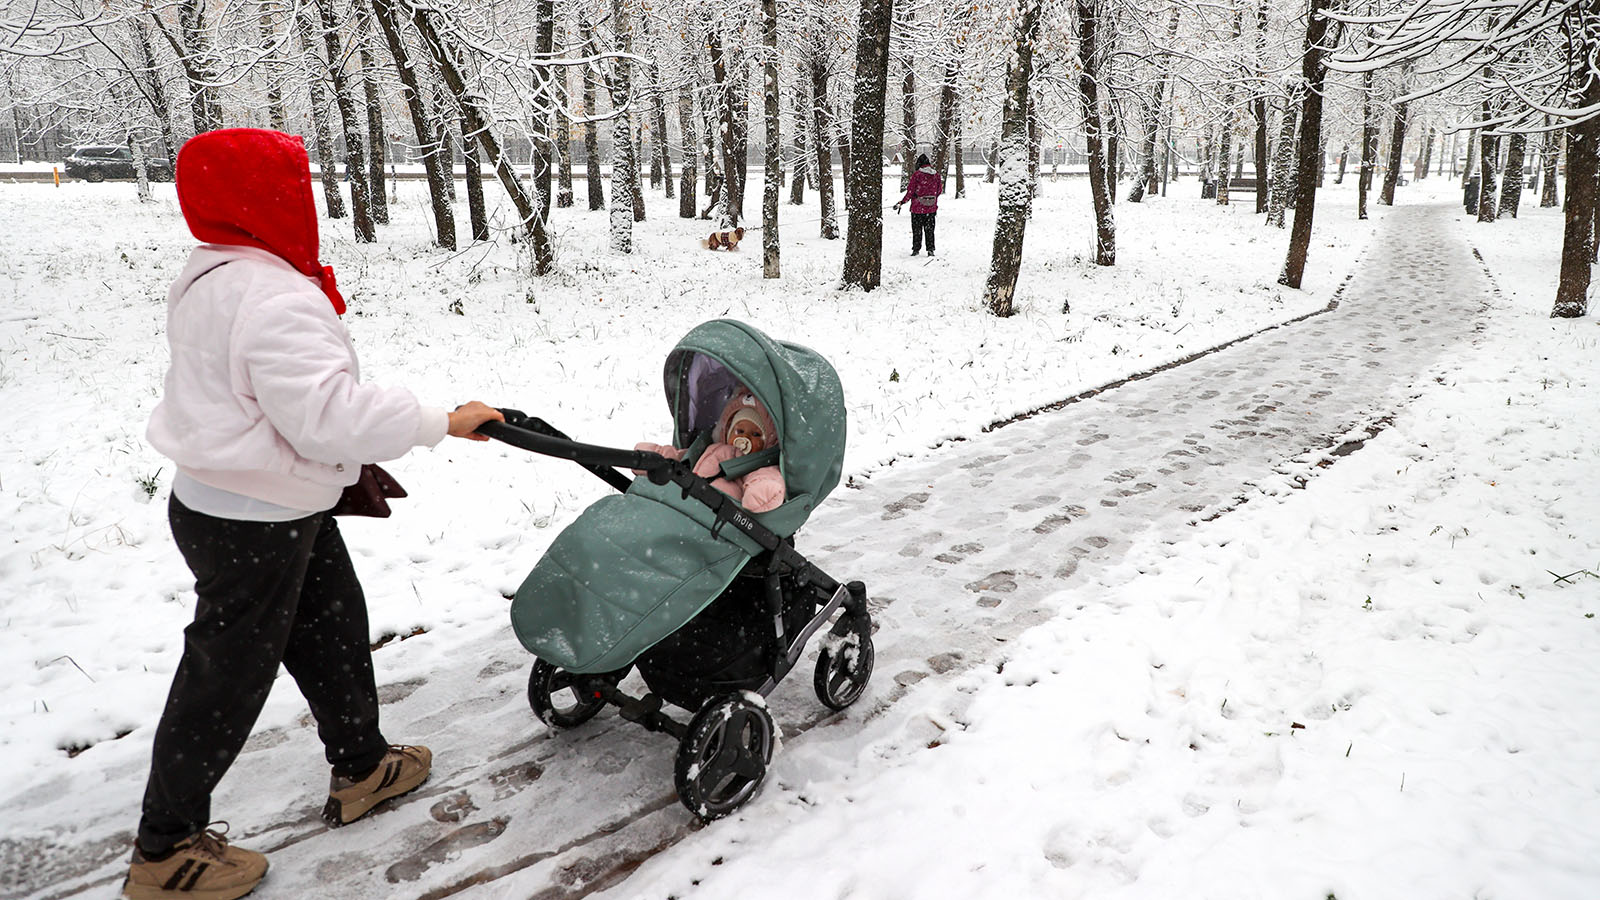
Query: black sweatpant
x,y
269,592
922,226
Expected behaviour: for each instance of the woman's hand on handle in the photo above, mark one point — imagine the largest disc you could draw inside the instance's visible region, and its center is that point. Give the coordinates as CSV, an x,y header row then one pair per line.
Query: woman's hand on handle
x,y
467,417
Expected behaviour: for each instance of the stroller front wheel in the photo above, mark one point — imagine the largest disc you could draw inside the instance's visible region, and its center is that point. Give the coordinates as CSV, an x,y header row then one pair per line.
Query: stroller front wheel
x,y
844,664
724,756
558,698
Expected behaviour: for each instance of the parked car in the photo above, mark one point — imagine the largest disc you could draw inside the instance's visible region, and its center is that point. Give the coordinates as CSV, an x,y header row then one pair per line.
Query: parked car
x,y
97,162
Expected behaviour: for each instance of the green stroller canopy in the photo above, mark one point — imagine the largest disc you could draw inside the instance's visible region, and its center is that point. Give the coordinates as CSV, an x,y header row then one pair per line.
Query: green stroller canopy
x,y
633,568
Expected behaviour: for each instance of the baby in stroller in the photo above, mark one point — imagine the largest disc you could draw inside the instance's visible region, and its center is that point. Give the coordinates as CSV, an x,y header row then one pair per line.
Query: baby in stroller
x,y
743,428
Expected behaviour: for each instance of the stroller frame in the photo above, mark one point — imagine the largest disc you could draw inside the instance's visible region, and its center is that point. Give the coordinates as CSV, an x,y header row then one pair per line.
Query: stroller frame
x,y
725,748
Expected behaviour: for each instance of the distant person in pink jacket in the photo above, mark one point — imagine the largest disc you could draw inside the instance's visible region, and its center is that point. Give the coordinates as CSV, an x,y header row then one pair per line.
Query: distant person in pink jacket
x,y
744,427
923,195
268,420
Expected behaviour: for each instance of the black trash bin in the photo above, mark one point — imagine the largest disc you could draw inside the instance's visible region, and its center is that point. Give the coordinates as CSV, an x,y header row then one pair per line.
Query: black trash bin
x,y
1469,196
1208,189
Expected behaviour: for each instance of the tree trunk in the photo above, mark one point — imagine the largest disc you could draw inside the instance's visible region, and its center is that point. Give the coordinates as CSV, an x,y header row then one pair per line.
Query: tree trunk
x,y
477,121
1511,186
821,126
725,128
1016,188
739,150
200,66
908,120
1151,122
946,123
376,143
1577,245
989,161
774,160
1488,150
277,116
141,171
960,160
354,163
1261,110
1369,146
1548,158
434,161
800,173
663,150
477,210
1425,158
1283,174
1105,248
1229,115
544,103
562,137
1397,140
863,252
591,130
158,95
687,131
307,25
1313,75
623,190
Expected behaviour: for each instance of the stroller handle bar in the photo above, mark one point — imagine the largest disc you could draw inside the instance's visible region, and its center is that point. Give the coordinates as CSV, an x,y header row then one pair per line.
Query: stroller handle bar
x,y
538,436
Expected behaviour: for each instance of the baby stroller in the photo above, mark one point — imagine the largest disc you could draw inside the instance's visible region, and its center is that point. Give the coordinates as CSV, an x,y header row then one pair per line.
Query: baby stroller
x,y
709,601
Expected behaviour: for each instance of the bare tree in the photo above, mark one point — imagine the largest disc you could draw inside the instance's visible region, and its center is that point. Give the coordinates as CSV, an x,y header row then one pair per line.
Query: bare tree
x,y
433,159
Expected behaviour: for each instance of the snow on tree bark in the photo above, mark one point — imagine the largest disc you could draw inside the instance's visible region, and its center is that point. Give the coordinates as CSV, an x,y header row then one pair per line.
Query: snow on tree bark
x,y
770,267
1549,196
822,126
1090,64
591,130
1511,186
863,251
686,128
623,192
307,26
563,131
376,143
1397,140
354,164
1014,160
1314,76
1283,173
1369,146
801,169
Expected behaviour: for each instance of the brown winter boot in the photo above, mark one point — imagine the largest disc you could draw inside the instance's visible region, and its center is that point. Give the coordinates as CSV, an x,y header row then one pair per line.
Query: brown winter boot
x,y
402,769
201,867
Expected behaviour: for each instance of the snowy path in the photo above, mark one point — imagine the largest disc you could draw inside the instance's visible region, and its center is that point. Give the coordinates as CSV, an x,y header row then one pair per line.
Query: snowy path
x,y
959,549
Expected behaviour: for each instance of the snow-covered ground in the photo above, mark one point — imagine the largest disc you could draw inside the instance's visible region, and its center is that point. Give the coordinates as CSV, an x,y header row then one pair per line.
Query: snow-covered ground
x,y
1404,608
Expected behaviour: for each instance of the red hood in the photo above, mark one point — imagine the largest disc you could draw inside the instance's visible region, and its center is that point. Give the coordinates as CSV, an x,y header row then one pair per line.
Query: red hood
x,y
252,187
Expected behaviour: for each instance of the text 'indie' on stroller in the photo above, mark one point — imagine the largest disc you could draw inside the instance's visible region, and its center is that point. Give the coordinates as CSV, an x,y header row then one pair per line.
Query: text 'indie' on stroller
x,y
710,602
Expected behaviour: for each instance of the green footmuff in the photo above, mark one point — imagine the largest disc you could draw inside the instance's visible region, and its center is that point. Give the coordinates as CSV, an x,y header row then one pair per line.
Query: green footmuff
x,y
634,568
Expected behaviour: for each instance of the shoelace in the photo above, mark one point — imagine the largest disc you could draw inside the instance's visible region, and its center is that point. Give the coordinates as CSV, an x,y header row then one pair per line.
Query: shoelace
x,y
212,842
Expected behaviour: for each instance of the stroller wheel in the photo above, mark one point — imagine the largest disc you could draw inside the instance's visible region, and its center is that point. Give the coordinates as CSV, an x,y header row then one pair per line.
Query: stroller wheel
x,y
557,697
844,663
724,755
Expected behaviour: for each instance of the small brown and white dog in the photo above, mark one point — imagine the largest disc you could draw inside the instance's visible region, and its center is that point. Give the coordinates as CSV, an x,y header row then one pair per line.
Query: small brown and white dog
x,y
723,240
